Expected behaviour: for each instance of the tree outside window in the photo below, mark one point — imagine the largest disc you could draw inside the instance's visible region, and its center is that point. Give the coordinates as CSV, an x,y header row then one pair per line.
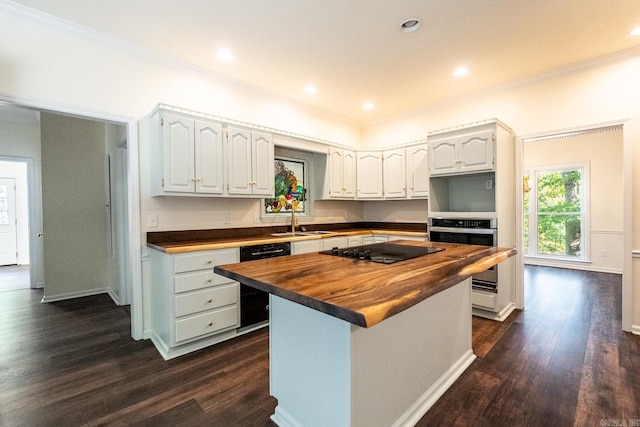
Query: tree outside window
x,y
554,212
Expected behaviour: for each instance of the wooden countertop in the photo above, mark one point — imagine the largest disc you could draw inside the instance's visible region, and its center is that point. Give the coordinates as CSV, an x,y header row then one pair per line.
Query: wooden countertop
x,y
361,292
233,242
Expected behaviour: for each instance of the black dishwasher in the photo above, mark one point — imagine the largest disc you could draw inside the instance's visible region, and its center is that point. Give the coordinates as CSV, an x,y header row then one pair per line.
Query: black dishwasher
x,y
254,303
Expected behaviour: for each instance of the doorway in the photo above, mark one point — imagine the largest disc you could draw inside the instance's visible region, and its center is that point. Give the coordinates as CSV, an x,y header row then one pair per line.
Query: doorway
x,y
14,225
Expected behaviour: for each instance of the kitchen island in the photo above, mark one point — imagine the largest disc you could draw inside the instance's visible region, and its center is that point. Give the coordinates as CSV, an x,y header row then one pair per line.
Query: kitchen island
x,y
357,343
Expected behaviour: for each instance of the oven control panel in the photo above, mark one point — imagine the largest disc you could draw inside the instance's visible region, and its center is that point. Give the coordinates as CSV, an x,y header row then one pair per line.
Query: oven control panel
x,y
463,223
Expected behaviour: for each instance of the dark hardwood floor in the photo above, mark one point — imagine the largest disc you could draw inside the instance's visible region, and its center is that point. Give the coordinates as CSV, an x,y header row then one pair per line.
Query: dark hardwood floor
x,y
562,361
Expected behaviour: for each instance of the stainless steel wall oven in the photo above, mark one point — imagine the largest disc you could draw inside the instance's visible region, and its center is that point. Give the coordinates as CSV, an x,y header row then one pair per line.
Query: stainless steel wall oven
x,y
482,232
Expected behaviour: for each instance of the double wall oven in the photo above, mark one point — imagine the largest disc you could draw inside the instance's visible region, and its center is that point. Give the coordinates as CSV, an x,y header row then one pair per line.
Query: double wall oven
x,y
473,232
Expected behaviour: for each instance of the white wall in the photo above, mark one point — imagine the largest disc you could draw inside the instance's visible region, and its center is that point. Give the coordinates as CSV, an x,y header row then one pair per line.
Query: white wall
x,y
602,151
73,205
599,93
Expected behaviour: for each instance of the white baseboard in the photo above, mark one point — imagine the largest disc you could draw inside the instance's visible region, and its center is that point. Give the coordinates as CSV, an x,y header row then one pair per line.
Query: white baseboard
x,y
72,295
500,317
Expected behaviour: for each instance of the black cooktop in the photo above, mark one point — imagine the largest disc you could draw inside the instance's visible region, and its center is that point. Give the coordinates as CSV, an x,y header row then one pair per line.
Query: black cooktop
x,y
385,253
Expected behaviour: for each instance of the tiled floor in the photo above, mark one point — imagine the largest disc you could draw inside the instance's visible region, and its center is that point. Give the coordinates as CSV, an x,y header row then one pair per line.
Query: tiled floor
x,y
14,277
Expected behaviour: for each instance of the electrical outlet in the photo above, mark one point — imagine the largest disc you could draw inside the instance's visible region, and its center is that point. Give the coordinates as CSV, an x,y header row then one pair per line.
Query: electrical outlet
x,y
226,218
152,220
346,216
380,216
330,214
256,218
488,184
605,253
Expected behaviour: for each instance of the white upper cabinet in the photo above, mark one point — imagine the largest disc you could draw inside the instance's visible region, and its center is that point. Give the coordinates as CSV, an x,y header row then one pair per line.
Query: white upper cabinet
x,y
418,171
369,172
462,154
190,158
250,162
209,158
342,173
395,174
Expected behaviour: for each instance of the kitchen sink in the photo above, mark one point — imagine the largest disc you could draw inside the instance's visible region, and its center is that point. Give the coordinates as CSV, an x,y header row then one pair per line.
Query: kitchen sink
x,y
301,233
315,233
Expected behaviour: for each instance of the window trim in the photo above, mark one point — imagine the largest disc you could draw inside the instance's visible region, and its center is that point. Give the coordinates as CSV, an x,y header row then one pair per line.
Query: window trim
x,y
585,223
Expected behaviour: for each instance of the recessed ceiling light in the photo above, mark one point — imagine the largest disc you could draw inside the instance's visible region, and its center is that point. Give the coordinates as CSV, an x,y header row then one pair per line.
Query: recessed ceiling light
x,y
409,25
636,31
225,55
368,106
462,71
310,89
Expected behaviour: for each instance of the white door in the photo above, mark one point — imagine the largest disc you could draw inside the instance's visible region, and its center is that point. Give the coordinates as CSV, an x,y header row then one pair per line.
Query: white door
x,y
8,230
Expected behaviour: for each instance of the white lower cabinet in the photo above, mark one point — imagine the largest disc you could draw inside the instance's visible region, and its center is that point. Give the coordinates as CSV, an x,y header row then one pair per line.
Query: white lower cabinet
x,y
306,246
191,306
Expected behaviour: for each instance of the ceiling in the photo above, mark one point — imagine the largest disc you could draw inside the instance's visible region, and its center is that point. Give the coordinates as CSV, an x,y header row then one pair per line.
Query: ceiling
x,y
353,50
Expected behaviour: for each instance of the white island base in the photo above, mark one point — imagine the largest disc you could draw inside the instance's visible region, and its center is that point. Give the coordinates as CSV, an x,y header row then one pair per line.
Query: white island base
x,y
328,372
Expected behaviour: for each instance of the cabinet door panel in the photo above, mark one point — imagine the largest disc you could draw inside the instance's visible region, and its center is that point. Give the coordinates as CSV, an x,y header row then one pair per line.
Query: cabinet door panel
x,y
395,174
239,157
262,163
177,135
209,160
349,174
443,158
336,161
418,171
369,172
476,152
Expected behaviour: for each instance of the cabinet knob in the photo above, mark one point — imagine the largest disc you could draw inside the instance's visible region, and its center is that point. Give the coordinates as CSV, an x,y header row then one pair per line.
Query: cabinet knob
x,y
209,261
194,179
209,280
210,324
209,301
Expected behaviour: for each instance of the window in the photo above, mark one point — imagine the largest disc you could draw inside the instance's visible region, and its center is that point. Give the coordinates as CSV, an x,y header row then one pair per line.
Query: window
x,y
290,176
555,212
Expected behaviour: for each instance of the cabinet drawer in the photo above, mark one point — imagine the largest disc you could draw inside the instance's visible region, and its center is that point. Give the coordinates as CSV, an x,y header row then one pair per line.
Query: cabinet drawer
x,y
205,260
200,280
206,299
483,299
206,323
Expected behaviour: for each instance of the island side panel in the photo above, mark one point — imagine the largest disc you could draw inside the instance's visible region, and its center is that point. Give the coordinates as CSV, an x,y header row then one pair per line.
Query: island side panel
x,y
326,371
402,365
310,363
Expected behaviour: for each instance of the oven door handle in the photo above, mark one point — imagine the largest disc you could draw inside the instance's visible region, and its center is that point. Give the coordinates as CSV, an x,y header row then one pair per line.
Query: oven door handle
x,y
464,230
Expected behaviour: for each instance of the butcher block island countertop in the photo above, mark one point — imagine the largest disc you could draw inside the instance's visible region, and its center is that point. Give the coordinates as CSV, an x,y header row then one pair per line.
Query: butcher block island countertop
x,y
356,343
361,292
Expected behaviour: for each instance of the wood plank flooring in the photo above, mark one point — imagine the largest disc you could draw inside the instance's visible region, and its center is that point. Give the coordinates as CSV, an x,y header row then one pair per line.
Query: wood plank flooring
x,y
563,361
